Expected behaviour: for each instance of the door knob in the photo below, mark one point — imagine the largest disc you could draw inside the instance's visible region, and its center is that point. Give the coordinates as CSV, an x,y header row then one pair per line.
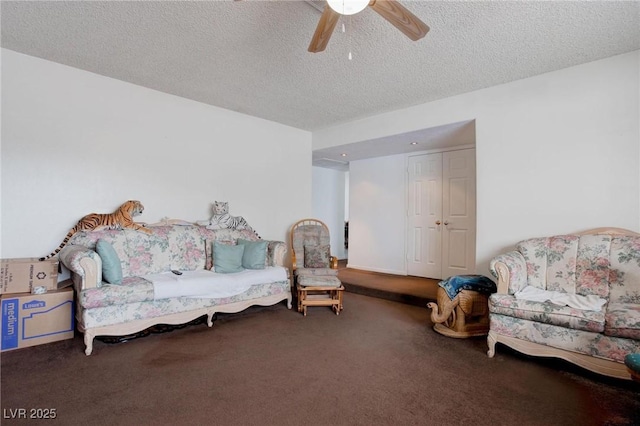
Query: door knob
x,y
446,222
438,222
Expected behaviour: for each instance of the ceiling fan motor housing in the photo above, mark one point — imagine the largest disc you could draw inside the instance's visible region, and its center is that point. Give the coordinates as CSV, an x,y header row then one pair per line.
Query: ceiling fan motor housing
x,y
348,7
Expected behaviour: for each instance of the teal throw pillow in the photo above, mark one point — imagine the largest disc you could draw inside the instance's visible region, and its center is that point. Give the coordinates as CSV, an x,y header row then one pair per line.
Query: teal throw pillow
x,y
255,254
111,267
227,259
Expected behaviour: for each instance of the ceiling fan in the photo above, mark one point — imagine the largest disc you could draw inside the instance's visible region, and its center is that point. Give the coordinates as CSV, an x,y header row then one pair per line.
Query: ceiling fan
x,y
390,10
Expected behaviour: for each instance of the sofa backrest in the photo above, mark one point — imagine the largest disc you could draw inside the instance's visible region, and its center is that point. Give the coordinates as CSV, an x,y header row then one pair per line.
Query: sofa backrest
x,y
182,247
604,265
625,270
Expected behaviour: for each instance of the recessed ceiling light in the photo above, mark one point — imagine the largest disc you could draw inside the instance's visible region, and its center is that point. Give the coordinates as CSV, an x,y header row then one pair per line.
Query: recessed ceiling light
x,y
414,143
343,154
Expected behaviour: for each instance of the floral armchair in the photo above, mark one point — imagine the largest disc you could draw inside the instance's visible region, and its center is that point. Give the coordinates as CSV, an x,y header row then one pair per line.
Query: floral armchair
x,y
310,249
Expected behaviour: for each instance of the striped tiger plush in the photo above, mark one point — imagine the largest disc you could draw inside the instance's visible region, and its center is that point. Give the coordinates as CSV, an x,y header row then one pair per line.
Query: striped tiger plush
x,y
221,218
120,219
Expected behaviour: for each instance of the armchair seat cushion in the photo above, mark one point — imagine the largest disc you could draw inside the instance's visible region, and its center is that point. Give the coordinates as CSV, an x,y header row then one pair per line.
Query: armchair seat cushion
x,y
319,281
306,272
623,320
548,313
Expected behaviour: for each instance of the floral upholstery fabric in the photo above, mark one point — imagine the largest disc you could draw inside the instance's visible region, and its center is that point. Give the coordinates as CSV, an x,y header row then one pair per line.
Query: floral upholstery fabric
x,y
228,234
584,265
177,246
624,275
561,252
182,247
187,249
534,252
584,342
316,256
308,235
73,254
276,251
148,254
168,247
623,320
607,266
517,270
569,263
304,272
319,281
592,265
132,289
122,313
548,313
88,240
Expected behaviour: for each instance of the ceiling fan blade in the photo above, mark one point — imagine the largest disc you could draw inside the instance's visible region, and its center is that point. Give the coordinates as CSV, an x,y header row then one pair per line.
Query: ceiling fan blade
x,y
400,18
325,27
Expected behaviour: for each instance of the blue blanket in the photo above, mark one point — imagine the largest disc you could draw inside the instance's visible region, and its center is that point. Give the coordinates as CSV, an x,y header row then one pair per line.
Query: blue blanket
x,y
479,283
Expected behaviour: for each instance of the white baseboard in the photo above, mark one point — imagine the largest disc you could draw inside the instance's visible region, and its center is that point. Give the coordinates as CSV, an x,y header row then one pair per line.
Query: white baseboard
x,y
381,270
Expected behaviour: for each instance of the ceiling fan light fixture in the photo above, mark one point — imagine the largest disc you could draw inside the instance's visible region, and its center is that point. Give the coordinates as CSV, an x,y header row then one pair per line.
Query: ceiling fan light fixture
x,y
348,7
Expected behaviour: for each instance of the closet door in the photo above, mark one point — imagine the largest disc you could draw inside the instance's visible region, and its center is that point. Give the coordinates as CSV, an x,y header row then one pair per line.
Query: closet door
x,y
441,217
424,229
459,213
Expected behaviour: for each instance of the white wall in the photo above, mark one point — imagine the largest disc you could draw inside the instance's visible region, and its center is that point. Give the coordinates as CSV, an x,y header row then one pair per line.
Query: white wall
x,y
328,189
74,142
377,213
346,196
556,153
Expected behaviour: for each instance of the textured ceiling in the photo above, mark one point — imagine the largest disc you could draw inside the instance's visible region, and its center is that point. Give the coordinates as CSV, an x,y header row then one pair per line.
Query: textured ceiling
x,y
251,56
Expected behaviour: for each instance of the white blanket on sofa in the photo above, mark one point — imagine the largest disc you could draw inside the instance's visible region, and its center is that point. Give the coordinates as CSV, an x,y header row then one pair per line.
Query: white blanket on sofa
x,y
208,284
585,303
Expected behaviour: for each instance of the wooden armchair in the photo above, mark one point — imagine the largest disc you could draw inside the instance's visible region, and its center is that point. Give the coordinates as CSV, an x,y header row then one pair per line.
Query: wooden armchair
x,y
315,271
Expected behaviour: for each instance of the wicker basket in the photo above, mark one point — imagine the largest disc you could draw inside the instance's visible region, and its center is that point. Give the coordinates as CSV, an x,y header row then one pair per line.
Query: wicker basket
x,y
467,315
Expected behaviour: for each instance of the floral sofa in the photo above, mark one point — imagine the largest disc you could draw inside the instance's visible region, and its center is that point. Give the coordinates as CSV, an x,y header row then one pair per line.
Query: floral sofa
x,y
574,297
104,309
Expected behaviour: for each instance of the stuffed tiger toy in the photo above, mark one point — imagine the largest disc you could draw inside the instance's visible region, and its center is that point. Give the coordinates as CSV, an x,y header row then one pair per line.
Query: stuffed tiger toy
x,y
120,219
222,219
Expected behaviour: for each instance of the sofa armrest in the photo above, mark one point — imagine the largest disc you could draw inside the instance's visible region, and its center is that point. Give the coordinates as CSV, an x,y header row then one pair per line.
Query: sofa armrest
x,y
85,266
511,271
275,253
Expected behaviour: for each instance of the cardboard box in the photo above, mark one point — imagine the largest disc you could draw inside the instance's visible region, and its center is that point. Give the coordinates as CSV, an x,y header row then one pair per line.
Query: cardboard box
x,y
33,319
21,275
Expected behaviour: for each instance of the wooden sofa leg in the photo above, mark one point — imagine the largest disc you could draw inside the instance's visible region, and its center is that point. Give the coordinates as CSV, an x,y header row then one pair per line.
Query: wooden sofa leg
x,y
210,319
88,343
491,341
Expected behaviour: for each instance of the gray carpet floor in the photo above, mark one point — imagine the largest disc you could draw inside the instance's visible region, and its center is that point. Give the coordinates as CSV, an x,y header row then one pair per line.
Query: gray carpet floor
x,y
378,362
